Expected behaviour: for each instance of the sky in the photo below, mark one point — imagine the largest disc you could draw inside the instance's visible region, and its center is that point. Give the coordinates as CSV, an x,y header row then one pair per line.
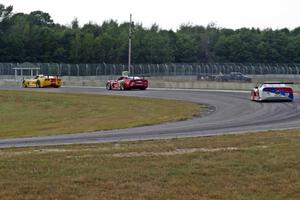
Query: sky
x,y
170,14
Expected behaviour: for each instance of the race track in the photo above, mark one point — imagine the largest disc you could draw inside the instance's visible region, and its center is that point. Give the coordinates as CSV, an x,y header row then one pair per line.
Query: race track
x,y
229,112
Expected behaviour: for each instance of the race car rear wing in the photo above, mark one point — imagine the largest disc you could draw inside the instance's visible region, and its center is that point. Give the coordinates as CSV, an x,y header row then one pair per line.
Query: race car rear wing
x,y
52,77
55,75
271,83
274,84
140,76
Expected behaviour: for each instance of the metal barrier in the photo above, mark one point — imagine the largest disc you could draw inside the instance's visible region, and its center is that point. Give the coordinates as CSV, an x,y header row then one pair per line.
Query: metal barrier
x,y
173,69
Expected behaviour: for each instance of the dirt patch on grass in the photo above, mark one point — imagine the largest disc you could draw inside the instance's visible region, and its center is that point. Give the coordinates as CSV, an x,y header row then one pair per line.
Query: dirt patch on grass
x,y
126,154
181,151
57,150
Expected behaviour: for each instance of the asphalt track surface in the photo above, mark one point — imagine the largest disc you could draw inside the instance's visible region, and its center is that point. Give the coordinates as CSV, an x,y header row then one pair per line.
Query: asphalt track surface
x,y
228,112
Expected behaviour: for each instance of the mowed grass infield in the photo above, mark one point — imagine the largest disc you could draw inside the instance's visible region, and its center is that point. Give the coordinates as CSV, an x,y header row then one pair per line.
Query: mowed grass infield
x,y
264,166
24,114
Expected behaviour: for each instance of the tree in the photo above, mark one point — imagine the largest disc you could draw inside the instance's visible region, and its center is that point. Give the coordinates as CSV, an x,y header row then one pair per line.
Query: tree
x,y
40,18
5,12
75,23
35,37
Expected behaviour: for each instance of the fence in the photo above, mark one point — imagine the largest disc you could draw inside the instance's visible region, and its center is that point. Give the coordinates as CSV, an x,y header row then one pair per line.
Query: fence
x,y
182,69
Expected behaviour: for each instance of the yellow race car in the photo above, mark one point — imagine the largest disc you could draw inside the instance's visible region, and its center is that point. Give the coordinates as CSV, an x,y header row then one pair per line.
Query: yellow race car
x,y
41,81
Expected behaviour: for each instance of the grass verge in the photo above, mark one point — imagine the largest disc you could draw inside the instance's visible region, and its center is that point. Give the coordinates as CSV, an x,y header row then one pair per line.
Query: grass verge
x,y
251,166
36,114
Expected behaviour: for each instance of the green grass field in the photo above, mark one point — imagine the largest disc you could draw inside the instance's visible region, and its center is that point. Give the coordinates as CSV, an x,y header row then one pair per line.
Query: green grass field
x,y
25,114
260,166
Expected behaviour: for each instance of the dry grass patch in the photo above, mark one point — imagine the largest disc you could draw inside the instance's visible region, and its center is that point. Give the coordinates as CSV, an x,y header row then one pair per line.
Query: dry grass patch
x,y
251,166
35,113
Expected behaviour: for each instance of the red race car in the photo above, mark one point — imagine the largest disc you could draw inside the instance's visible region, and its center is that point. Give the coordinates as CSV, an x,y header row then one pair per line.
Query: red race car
x,y
127,83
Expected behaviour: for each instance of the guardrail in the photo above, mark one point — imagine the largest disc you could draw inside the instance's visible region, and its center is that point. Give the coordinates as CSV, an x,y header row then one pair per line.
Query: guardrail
x,y
176,82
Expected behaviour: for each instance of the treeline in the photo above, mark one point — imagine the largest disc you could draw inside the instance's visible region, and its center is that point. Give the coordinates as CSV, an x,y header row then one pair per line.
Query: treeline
x,y
35,37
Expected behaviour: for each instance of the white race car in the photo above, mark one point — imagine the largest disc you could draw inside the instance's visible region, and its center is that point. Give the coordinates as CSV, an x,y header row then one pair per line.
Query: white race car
x,y
272,92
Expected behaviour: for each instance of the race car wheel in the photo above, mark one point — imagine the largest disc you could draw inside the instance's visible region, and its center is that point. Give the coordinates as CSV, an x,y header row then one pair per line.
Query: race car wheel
x,y
122,87
38,84
108,86
252,96
24,84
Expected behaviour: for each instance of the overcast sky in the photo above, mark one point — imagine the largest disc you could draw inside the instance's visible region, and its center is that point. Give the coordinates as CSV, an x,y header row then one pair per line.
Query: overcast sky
x,y
170,14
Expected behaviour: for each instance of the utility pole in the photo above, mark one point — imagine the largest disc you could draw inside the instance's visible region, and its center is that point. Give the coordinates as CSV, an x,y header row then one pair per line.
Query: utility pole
x,y
129,44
